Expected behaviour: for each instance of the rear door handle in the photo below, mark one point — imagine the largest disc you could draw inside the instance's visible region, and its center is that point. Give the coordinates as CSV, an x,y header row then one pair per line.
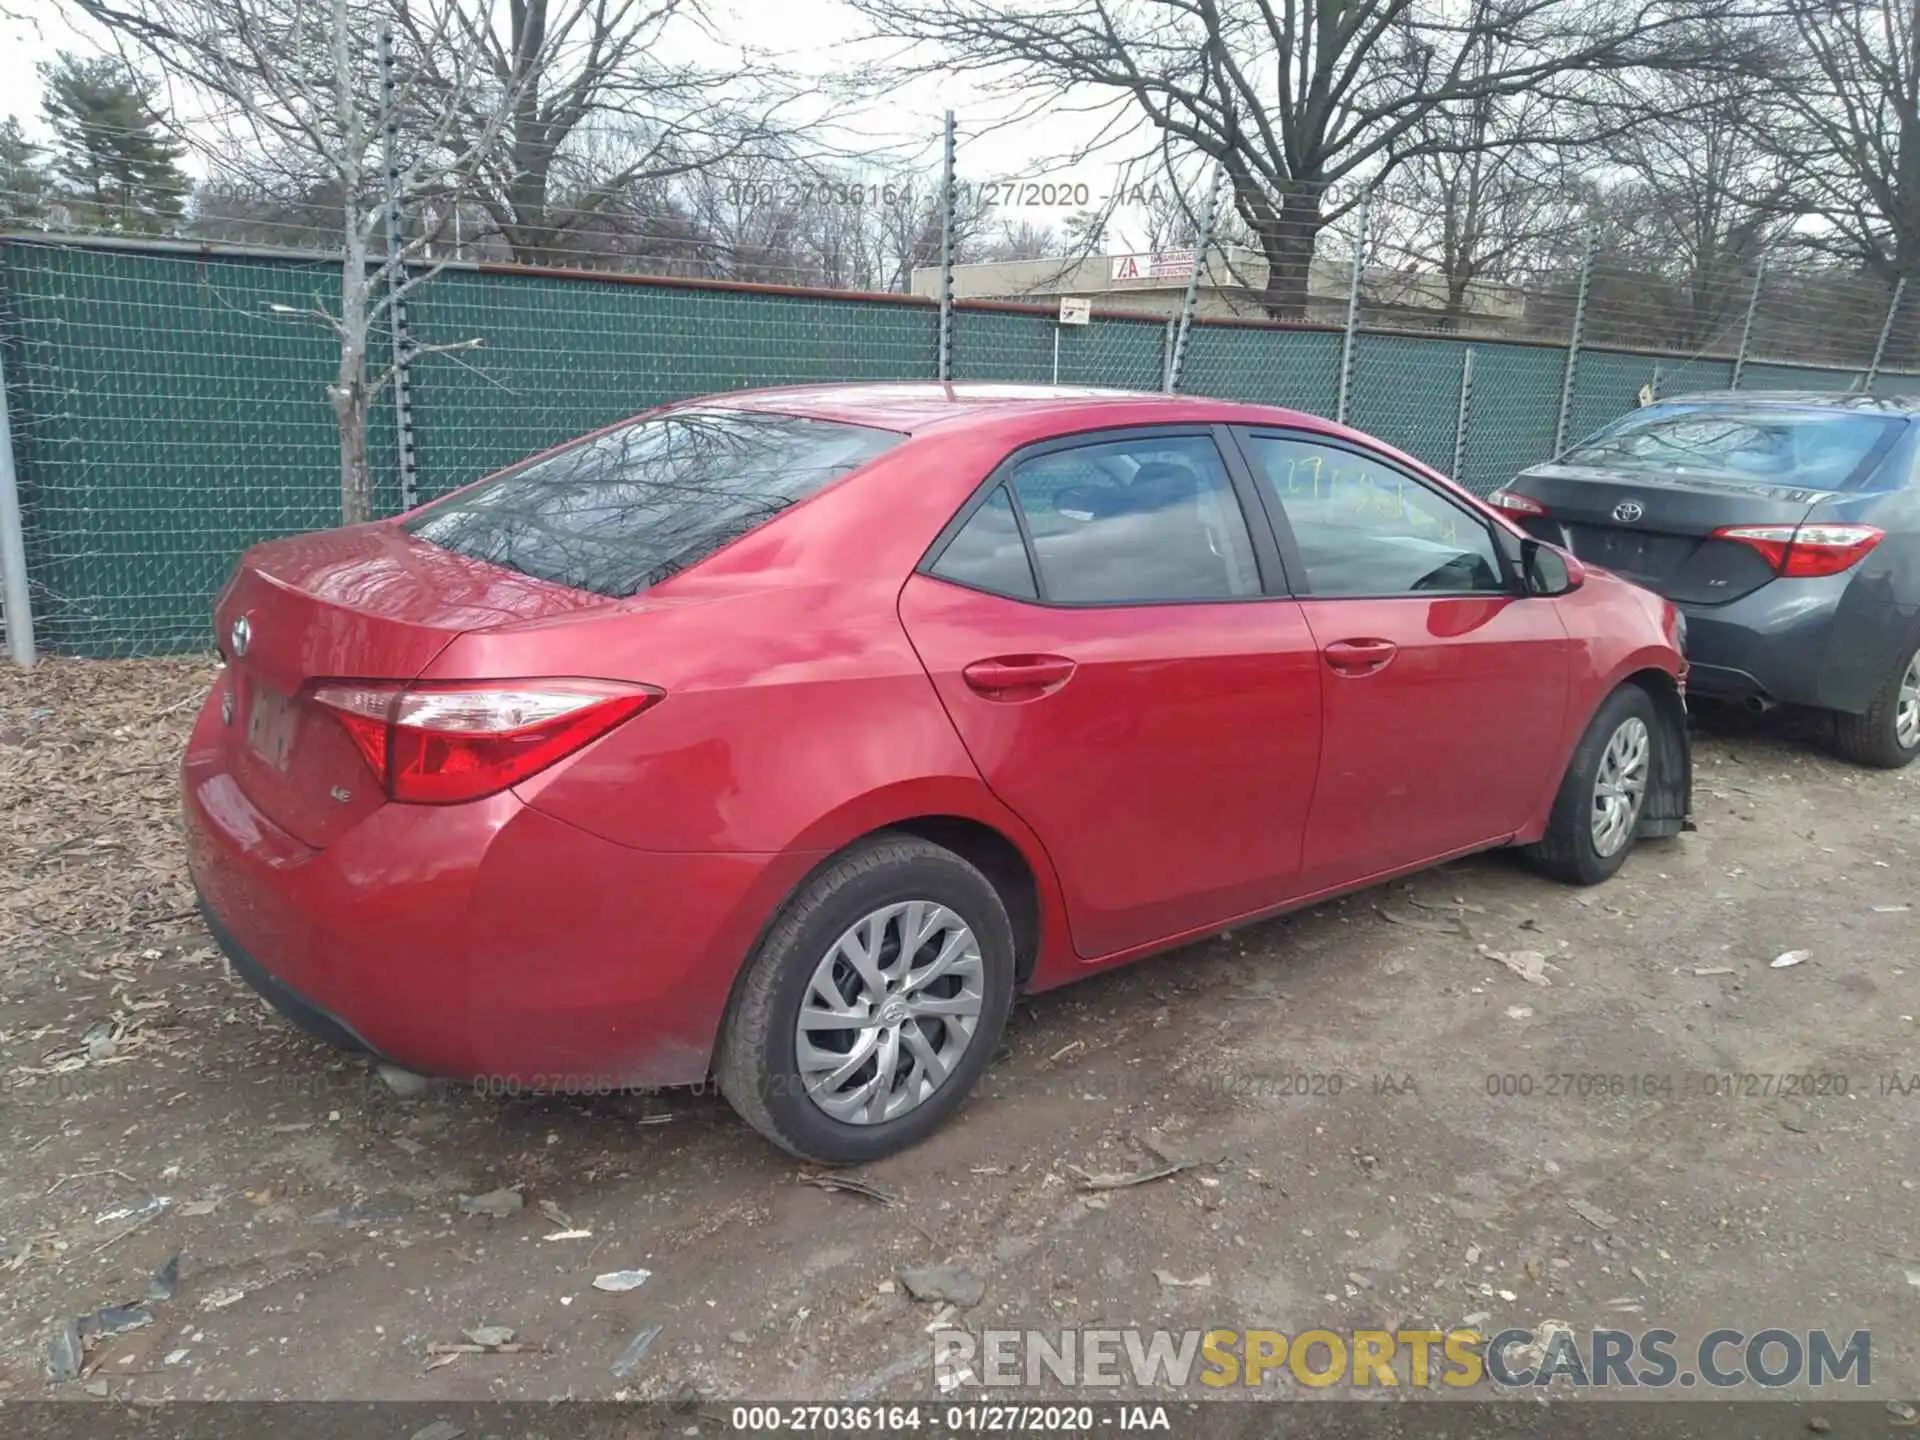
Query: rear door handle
x,y
1017,677
1359,657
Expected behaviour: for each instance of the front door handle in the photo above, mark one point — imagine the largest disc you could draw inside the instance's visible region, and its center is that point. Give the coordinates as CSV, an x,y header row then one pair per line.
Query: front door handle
x,y
1359,657
1017,677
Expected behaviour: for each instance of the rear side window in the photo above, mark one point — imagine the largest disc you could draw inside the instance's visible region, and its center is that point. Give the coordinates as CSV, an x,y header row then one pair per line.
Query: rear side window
x,y
988,554
1792,448
1136,521
624,510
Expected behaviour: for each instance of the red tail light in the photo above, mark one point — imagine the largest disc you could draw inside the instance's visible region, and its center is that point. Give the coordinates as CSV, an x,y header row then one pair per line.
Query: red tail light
x,y
1804,551
437,743
1515,504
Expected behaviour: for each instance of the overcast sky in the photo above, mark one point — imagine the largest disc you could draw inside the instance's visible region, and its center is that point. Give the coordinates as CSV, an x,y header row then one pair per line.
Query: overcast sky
x,y
808,37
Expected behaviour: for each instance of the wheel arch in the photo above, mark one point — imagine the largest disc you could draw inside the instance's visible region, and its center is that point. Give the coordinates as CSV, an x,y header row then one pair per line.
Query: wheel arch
x,y
1651,669
1007,869
958,818
967,818
1669,803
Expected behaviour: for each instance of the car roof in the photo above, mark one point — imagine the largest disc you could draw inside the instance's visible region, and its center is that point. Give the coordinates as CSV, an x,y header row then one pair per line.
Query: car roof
x,y
1907,405
915,406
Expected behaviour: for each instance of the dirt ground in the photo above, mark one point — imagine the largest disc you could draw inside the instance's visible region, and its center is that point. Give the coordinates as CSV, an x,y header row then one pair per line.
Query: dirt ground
x,y
1339,1071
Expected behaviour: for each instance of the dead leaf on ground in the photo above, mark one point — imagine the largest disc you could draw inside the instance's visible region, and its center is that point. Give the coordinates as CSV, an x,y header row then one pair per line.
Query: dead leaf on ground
x,y
1529,965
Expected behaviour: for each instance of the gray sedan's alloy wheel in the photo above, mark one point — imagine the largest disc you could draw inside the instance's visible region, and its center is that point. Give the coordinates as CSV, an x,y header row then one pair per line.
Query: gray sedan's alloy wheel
x,y
1886,735
1906,715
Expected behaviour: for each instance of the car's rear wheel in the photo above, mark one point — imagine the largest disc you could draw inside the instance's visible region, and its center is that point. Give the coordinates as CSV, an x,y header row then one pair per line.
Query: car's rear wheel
x,y
1887,734
872,1005
1596,814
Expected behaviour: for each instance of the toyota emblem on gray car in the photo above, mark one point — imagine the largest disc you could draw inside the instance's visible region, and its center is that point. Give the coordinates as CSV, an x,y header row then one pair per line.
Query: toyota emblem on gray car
x,y
243,632
1628,511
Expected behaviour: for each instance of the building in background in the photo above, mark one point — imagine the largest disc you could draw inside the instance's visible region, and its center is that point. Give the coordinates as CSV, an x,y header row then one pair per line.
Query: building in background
x,y
1156,283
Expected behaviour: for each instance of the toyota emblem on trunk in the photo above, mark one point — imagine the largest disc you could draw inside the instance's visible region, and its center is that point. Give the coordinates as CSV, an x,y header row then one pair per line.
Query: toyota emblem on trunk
x,y
243,633
1628,511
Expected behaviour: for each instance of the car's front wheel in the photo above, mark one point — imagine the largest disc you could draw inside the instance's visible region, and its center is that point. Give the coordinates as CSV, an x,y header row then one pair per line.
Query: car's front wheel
x,y
1596,814
1887,735
872,1005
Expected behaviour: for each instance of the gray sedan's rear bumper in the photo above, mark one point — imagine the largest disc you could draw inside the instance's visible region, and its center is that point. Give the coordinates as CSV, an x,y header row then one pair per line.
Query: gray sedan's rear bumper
x,y
1827,642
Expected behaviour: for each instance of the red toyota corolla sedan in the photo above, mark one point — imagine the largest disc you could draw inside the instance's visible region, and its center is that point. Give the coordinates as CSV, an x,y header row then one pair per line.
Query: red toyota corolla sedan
x,y
783,737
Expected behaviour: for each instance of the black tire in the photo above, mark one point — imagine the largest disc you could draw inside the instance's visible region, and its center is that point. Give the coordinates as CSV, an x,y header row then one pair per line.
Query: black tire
x,y
756,1067
1567,851
1873,737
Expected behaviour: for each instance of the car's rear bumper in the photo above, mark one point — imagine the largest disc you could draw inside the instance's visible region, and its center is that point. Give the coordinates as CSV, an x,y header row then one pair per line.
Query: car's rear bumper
x,y
1822,642
294,1007
486,940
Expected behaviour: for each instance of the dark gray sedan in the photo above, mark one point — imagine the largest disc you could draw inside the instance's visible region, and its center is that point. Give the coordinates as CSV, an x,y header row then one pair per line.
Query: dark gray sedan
x,y
1786,527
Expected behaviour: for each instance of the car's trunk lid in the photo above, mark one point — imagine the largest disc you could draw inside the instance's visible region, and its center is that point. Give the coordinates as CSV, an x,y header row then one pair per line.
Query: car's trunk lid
x,y
1656,528
367,603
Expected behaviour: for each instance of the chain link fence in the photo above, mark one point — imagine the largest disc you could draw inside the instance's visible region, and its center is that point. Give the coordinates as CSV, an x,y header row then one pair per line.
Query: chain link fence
x,y
169,402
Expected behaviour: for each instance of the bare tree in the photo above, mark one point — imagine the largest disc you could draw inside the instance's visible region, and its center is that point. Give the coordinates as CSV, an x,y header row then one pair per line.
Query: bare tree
x,y
1477,192
297,82
1698,202
591,108
1843,114
906,228
1300,102
1021,240
754,220
1170,219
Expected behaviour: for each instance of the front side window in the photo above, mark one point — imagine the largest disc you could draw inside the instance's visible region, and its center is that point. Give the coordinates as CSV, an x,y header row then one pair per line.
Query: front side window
x,y
1365,528
620,511
1134,521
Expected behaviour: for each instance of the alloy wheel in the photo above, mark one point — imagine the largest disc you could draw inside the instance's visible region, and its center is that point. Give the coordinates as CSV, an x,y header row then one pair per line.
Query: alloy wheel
x,y
889,1011
1620,787
1906,714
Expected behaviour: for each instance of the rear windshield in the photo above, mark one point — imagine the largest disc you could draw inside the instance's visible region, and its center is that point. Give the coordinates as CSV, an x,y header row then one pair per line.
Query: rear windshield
x,y
624,510
1801,449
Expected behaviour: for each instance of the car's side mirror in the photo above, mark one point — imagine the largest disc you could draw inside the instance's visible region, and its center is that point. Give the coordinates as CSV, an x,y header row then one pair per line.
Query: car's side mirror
x,y
1547,571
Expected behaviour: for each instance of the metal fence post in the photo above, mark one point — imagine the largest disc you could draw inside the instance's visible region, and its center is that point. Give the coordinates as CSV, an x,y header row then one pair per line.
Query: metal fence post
x,y
1466,407
949,202
1886,331
1177,357
1746,328
396,276
1573,344
13,545
1353,310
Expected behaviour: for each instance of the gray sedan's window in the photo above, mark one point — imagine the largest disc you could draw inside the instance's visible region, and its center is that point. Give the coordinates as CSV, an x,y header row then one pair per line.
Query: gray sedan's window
x,y
624,510
1794,447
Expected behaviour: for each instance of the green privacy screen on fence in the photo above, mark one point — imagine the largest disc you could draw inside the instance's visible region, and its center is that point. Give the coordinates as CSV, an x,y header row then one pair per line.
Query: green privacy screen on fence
x,y
169,407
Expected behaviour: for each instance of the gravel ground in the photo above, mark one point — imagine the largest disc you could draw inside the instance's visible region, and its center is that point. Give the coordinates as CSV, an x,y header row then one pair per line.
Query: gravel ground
x,y
1345,1076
